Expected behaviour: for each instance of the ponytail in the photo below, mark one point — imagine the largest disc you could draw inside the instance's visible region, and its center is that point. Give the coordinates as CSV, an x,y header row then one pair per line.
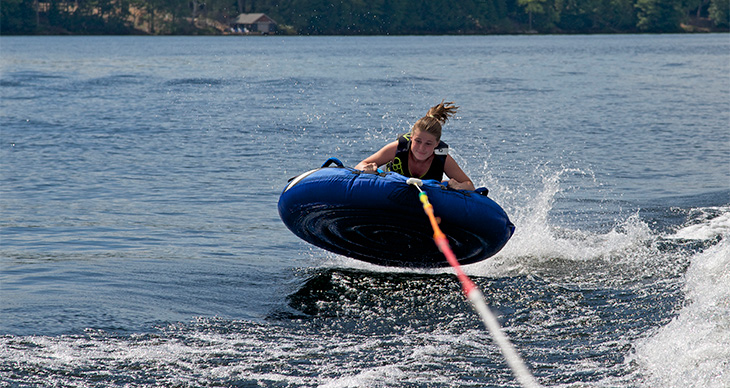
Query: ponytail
x,y
435,118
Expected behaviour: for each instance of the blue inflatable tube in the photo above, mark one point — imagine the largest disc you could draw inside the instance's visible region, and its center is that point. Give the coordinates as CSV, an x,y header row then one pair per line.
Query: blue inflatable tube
x,y
378,218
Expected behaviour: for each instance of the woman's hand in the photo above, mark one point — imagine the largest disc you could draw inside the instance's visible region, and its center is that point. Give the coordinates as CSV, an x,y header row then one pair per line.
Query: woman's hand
x,y
368,167
382,157
456,185
458,179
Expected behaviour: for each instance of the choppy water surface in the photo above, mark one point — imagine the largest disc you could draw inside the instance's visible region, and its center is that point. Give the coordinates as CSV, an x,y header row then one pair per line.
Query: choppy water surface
x,y
140,243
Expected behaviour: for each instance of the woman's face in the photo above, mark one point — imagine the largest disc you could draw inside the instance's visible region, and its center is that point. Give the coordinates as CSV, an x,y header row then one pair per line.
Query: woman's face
x,y
422,145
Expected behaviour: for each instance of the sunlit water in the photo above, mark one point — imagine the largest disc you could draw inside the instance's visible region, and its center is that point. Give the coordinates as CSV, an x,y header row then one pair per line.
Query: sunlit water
x,y
140,243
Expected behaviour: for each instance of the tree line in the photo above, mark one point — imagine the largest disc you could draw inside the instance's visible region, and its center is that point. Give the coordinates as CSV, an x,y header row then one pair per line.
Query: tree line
x,y
361,17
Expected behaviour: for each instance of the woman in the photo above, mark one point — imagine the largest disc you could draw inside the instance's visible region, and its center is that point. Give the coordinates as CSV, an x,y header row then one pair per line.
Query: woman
x,y
421,153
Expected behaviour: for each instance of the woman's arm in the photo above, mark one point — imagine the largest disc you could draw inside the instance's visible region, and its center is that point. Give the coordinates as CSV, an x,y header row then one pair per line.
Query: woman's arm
x,y
385,155
458,179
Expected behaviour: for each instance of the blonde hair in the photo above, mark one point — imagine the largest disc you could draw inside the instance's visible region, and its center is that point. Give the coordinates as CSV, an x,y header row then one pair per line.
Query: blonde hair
x,y
435,118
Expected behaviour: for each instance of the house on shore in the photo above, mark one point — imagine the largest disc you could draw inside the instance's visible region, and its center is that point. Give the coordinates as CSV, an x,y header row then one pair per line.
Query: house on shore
x,y
253,23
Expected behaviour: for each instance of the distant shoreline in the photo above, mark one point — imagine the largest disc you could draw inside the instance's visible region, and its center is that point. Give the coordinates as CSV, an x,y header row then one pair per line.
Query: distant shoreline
x,y
412,17
715,31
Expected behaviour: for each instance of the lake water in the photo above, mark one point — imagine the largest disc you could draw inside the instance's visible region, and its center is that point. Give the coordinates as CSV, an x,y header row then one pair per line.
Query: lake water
x,y
140,243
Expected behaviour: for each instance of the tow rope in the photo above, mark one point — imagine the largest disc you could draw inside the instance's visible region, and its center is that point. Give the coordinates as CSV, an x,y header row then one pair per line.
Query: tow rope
x,y
475,296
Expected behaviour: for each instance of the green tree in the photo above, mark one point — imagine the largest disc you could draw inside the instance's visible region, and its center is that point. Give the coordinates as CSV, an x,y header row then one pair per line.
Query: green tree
x,y
393,15
694,6
597,15
720,12
659,15
622,14
532,7
17,17
581,15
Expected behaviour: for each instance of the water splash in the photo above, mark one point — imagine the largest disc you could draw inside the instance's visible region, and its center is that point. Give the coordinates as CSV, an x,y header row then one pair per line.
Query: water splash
x,y
545,244
693,350
706,224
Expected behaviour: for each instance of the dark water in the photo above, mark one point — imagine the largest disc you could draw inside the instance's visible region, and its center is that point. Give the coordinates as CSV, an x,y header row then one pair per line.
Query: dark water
x,y
140,243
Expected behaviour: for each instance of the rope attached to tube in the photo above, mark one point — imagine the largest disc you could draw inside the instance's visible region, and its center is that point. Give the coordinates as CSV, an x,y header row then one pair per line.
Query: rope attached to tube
x,y
522,374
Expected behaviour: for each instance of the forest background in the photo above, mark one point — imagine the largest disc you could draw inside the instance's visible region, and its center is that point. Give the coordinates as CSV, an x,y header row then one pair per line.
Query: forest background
x,y
361,17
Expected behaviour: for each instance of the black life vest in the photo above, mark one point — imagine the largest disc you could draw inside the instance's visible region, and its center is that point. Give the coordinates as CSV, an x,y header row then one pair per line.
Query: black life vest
x,y
399,164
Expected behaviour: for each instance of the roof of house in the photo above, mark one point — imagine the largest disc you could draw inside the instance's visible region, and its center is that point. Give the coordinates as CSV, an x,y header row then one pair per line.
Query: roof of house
x,y
252,18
